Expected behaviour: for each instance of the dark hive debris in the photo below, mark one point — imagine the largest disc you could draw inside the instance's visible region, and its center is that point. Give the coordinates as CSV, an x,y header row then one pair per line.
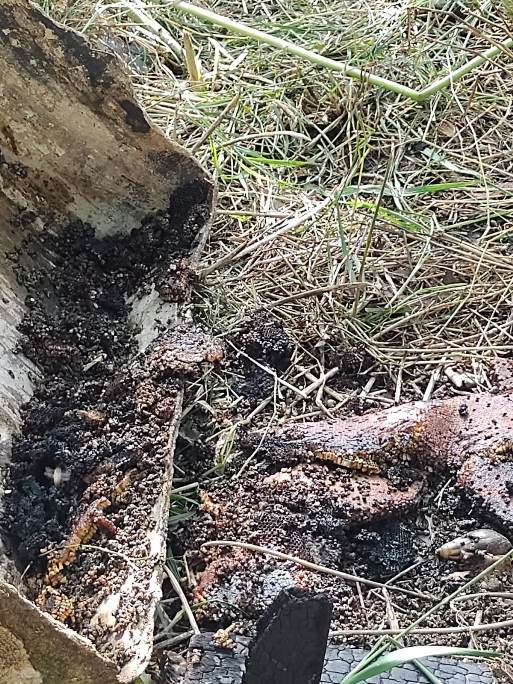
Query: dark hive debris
x,y
351,494
261,337
389,548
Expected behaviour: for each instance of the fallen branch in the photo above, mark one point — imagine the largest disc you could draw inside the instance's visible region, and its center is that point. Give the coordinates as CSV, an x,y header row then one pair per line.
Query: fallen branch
x,y
243,251
483,627
349,71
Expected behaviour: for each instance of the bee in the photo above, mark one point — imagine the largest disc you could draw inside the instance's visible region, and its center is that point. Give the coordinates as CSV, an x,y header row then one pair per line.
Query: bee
x,y
208,506
92,417
463,409
195,656
105,614
123,484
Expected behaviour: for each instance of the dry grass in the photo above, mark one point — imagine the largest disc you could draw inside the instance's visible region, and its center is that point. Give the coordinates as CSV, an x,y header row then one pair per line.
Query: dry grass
x,y
405,246
436,268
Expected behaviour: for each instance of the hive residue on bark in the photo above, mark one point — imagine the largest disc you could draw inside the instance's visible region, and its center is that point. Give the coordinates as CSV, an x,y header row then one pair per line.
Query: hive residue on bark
x,y
89,464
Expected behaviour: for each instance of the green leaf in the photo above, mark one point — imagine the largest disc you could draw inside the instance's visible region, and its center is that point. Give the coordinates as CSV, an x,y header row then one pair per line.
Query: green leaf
x,y
144,679
252,158
351,190
404,655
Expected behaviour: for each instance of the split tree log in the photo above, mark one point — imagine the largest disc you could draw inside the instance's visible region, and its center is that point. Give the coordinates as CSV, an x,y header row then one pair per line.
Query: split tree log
x,y
470,436
75,145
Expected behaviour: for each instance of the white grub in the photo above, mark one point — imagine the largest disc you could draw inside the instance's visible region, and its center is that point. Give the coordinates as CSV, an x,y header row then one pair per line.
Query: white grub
x,y
58,475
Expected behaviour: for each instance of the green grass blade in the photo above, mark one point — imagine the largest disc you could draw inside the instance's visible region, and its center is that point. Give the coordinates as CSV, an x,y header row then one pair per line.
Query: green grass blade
x,y
351,190
420,667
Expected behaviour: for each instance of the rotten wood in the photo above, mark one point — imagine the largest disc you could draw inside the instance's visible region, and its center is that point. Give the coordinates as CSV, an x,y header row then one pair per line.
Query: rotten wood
x,y
471,436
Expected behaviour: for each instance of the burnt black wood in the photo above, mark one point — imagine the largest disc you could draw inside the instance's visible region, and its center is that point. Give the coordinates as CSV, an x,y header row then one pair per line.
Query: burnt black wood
x,y
291,640
207,663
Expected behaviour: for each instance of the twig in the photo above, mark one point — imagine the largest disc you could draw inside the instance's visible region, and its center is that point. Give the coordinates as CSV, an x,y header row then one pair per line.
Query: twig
x,y
241,252
192,63
351,72
404,572
370,232
330,392
259,136
264,435
314,292
433,380
472,643
259,214
482,627
270,371
313,566
486,594
173,641
316,383
215,124
118,554
136,9
361,599
261,406
185,604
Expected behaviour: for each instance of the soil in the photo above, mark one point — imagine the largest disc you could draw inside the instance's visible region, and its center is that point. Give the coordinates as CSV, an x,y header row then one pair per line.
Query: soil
x,y
353,363
262,337
99,423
